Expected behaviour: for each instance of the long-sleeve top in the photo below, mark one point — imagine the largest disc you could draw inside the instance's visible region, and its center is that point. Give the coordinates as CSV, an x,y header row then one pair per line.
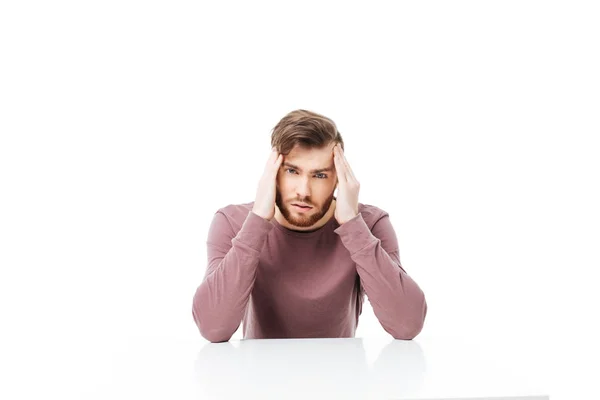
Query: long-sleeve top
x,y
282,283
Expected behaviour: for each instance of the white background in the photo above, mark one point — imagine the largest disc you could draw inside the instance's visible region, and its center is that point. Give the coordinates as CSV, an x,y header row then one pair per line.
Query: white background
x,y
125,125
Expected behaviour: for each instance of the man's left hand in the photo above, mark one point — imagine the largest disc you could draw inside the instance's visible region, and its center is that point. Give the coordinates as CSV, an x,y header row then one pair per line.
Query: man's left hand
x,y
346,206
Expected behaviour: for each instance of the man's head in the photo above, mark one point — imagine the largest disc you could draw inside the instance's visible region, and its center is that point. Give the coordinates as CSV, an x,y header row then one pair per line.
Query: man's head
x,y
307,175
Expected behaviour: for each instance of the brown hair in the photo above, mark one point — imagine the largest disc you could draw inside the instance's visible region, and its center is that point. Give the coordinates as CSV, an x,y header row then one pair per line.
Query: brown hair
x,y
305,128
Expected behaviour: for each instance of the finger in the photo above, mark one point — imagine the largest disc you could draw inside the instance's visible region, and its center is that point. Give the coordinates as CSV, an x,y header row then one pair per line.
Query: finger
x,y
344,164
273,170
277,163
340,168
275,160
349,172
274,155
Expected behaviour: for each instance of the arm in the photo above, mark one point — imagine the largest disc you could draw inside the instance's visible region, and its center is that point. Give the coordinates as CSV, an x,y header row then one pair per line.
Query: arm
x,y
220,300
398,302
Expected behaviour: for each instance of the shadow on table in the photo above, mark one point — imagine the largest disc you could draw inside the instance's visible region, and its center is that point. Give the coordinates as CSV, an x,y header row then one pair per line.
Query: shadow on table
x,y
290,368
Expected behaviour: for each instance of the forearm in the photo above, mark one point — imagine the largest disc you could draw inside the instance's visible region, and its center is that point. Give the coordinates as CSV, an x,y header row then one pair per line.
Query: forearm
x,y
221,299
398,302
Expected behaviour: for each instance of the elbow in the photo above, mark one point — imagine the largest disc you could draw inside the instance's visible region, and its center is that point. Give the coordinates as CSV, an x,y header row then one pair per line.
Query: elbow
x,y
209,329
215,335
407,332
410,328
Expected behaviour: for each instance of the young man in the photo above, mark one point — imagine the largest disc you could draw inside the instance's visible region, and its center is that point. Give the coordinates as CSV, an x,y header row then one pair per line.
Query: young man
x,y
298,261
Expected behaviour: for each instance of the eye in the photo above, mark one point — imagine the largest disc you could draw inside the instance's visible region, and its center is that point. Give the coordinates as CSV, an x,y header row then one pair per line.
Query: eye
x,y
320,175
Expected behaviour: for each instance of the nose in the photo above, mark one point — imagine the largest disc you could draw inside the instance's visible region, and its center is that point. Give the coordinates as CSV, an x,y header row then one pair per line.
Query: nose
x,y
303,189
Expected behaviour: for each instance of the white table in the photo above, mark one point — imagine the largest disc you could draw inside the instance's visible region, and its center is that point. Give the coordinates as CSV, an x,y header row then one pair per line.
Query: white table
x,y
169,368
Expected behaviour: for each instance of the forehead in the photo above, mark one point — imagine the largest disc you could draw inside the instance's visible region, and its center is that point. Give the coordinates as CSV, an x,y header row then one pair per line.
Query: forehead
x,y
303,155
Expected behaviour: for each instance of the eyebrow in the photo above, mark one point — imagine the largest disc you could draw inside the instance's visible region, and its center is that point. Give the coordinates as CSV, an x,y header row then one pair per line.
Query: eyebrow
x,y
287,164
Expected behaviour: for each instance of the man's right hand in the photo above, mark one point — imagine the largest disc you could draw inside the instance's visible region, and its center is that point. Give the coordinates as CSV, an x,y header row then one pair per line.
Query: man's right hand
x,y
264,204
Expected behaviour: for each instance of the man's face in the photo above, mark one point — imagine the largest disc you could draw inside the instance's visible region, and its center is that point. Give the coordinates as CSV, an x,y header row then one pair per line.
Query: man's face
x,y
298,183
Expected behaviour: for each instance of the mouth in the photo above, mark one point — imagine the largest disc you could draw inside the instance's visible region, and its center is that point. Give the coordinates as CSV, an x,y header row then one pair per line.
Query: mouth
x,y
301,206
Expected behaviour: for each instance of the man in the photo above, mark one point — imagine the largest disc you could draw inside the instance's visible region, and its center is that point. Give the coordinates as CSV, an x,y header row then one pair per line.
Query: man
x,y
298,261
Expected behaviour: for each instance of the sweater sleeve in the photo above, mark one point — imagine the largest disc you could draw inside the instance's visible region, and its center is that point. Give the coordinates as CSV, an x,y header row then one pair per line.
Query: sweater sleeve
x,y
398,302
220,301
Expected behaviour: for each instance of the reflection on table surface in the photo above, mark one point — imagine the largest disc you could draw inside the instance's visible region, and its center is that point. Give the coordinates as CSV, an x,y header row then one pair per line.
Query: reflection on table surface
x,y
306,367
427,368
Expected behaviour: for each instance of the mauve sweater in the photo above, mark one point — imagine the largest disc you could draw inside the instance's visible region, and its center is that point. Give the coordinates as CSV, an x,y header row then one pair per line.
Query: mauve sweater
x,y
282,283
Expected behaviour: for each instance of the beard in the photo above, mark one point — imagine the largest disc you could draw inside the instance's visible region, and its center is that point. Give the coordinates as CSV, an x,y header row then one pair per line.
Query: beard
x,y
302,220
